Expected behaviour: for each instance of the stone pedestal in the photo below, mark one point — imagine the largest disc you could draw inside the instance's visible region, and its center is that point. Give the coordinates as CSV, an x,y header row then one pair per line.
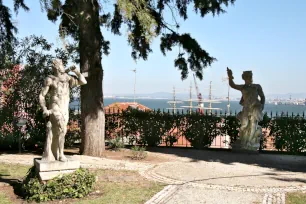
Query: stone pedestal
x,y
238,147
49,170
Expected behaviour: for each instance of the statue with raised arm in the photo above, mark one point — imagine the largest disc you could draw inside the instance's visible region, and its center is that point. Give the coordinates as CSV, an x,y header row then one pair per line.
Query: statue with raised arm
x,y
252,111
57,111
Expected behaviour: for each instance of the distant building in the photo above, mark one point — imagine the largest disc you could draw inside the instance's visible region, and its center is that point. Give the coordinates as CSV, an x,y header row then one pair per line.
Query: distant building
x,y
122,106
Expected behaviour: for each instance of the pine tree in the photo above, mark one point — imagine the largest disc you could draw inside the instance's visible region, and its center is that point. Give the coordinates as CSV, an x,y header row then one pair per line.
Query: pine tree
x,y
7,30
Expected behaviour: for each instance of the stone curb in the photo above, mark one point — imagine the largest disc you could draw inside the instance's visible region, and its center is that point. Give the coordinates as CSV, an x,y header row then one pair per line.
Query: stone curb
x,y
279,198
163,195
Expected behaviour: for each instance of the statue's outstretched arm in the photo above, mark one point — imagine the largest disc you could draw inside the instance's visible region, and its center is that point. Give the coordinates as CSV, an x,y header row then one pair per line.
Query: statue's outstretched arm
x,y
231,82
42,95
80,78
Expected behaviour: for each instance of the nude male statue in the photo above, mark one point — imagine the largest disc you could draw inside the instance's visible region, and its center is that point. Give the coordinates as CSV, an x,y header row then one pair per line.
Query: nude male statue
x,y
250,132
58,86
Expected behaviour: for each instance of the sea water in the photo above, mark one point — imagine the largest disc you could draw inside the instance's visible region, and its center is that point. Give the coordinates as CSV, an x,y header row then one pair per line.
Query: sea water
x,y
234,106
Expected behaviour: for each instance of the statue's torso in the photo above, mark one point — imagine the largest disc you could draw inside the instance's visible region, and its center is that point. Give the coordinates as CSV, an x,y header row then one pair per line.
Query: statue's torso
x,y
250,95
60,94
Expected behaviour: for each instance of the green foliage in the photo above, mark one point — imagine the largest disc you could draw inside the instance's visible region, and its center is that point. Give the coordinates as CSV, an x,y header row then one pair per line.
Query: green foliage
x,y
170,140
7,30
74,129
116,144
144,20
289,133
8,140
112,127
198,58
23,96
75,185
201,130
150,126
231,127
138,153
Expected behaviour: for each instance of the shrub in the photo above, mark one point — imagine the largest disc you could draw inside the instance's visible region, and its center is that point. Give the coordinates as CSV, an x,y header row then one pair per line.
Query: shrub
x,y
75,185
116,144
138,153
170,140
289,134
201,130
150,126
231,127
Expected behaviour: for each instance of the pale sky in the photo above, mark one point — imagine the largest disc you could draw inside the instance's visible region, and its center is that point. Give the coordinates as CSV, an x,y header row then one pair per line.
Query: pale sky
x,y
265,36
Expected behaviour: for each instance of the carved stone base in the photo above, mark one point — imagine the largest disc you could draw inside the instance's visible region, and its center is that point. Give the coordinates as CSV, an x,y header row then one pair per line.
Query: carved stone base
x,y
49,170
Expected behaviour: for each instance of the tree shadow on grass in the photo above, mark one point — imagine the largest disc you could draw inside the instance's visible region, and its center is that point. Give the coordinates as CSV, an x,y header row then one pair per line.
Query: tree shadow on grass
x,y
16,184
275,161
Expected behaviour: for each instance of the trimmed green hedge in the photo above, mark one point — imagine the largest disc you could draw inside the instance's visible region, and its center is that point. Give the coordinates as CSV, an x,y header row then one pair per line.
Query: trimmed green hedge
x,y
289,134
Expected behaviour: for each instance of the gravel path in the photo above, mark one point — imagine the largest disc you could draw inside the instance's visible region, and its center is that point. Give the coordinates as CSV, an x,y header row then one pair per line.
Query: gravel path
x,y
208,176
86,162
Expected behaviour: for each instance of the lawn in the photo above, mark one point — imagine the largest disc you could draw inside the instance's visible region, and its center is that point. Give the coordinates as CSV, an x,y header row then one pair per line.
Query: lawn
x,y
296,198
112,186
4,199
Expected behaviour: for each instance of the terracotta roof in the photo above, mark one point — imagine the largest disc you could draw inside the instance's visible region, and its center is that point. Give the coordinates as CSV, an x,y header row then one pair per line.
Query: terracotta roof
x,y
121,106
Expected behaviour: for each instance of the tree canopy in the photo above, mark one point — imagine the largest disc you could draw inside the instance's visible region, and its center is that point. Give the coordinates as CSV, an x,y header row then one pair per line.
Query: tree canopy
x,y
8,29
145,19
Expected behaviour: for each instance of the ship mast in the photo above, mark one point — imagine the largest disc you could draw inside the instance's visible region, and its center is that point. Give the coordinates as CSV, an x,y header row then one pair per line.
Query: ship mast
x,y
210,107
134,70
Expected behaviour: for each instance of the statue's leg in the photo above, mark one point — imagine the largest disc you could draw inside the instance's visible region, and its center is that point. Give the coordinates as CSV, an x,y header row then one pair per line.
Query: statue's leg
x,y
255,133
243,130
48,155
55,131
62,135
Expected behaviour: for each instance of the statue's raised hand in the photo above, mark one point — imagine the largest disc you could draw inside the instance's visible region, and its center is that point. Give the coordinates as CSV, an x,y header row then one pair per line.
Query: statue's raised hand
x,y
47,113
74,69
229,73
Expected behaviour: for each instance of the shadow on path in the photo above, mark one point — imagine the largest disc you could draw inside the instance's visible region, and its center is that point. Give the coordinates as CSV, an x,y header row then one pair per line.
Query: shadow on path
x,y
274,161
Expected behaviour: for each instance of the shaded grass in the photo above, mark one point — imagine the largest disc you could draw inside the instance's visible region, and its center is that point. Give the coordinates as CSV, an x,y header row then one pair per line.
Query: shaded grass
x,y
13,171
296,198
123,187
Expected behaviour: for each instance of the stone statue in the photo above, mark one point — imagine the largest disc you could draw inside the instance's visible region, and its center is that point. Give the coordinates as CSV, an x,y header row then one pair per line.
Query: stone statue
x,y
58,86
250,132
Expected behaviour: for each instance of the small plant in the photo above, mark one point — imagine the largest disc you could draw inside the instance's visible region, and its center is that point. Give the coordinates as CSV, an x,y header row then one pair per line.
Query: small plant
x,y
75,185
138,153
116,144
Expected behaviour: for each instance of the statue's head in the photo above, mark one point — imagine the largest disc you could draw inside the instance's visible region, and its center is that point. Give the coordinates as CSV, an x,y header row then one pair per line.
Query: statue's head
x,y
58,66
247,76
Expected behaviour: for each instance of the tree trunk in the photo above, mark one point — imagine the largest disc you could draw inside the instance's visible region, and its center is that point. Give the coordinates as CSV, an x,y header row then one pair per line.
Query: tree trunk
x,y
93,118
